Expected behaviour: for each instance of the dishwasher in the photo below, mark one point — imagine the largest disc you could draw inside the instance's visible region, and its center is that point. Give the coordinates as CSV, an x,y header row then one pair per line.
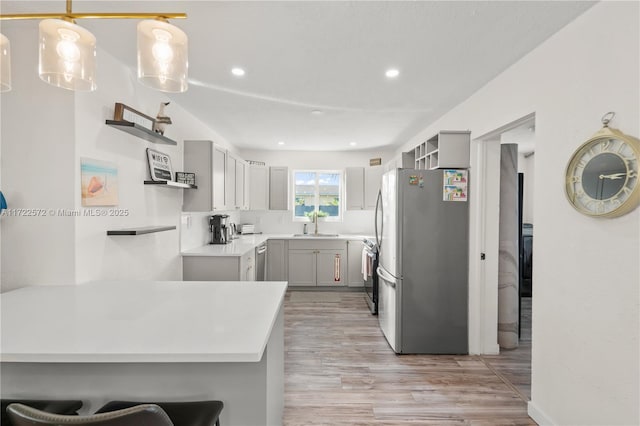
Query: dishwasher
x,y
261,262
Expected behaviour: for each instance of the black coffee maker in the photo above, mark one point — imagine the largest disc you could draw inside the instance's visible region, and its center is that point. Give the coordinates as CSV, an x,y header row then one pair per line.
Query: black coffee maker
x,y
218,229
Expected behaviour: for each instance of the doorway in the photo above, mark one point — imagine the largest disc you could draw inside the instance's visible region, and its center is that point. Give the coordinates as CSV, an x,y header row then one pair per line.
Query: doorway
x,y
514,365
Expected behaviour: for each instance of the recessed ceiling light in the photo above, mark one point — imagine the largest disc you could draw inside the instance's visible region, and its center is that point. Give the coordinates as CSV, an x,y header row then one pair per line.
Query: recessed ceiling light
x,y
392,73
353,143
238,72
317,112
281,143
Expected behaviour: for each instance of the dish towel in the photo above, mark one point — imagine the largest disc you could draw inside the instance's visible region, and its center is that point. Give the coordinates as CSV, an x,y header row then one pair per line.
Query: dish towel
x,y
365,264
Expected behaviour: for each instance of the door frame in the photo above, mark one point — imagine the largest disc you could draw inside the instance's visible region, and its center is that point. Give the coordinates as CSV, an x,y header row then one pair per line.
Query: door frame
x,y
484,239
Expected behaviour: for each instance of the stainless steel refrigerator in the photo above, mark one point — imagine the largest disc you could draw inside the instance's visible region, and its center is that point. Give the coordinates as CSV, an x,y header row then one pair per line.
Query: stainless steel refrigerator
x,y
422,230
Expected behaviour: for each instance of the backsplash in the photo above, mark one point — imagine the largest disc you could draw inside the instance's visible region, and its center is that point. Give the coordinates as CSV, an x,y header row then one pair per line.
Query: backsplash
x,y
194,228
281,222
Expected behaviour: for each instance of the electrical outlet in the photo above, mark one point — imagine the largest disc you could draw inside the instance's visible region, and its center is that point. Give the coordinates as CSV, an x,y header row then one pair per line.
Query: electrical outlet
x,y
186,220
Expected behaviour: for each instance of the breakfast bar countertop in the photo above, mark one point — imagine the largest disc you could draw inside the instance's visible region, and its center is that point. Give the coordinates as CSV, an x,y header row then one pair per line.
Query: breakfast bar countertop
x,y
140,321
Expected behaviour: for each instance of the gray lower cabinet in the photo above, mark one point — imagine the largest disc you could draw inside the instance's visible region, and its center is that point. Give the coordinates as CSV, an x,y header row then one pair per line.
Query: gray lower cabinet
x,y
277,259
302,268
317,263
354,262
330,267
219,268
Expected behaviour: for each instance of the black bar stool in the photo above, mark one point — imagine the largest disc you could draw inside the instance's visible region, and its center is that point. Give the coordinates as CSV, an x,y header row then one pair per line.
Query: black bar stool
x,y
192,413
139,415
65,407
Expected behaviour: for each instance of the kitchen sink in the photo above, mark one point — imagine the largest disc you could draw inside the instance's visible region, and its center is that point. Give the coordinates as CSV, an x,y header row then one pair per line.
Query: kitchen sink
x,y
314,235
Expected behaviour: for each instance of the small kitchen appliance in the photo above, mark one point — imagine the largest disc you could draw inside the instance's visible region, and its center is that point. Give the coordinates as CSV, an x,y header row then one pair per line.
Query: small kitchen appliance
x,y
218,229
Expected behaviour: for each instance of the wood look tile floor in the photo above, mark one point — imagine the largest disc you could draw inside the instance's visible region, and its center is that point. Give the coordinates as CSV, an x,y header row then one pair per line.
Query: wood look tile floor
x,y
339,370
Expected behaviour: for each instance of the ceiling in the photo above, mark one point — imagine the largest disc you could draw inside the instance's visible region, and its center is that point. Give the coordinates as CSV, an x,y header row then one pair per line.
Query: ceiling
x,y
330,57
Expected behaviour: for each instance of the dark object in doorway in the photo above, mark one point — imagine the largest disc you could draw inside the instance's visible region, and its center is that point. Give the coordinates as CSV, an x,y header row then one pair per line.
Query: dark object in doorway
x,y
526,257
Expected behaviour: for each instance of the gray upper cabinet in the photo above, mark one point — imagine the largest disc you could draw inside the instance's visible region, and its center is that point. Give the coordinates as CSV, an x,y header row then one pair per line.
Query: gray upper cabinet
x,y
363,184
219,165
278,188
237,187
230,183
355,188
208,162
259,187
372,183
247,186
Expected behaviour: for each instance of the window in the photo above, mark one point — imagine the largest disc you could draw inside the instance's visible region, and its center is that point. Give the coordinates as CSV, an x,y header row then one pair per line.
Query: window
x,y
317,192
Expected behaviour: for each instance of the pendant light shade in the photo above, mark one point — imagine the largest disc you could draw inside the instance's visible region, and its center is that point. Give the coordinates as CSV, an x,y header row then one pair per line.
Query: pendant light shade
x,y
5,64
162,56
67,55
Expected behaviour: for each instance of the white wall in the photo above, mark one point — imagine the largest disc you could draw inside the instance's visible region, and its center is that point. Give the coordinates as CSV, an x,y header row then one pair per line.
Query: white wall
x,y
37,170
281,222
585,366
45,132
195,228
152,256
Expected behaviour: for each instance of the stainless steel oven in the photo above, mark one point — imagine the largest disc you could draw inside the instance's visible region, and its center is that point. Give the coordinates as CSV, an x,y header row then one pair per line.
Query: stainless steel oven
x,y
371,283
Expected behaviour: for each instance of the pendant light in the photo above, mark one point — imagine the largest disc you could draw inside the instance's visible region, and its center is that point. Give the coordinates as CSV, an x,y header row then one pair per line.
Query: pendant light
x,y
162,56
67,55
67,52
5,64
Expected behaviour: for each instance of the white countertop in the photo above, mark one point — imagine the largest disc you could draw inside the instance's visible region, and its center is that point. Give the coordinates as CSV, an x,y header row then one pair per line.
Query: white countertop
x,y
237,247
245,243
140,321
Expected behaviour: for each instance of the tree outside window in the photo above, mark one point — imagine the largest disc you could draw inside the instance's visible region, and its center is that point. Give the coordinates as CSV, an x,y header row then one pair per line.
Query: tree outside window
x,y
317,192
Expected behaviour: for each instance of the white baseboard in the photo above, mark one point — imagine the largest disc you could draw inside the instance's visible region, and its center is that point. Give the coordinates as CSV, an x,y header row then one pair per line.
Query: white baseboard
x,y
538,416
492,350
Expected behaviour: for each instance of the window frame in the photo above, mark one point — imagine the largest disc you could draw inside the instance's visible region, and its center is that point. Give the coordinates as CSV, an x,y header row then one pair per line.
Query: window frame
x,y
317,172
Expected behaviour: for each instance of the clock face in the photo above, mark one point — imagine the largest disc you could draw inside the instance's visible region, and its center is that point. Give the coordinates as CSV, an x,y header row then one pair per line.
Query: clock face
x,y
602,176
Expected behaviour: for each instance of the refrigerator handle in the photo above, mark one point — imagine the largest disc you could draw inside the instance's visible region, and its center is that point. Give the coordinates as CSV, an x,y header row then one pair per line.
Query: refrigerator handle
x,y
385,277
379,204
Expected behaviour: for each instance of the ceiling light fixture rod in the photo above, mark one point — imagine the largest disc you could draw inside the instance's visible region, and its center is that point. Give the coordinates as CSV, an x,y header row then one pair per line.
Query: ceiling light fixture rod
x,y
69,15
108,15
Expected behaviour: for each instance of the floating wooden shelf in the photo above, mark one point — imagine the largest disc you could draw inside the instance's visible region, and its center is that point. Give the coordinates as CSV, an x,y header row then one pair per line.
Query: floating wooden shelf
x,y
140,231
170,184
141,132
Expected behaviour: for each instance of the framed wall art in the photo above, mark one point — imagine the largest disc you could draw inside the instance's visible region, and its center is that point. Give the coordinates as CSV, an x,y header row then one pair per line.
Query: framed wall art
x,y
99,182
